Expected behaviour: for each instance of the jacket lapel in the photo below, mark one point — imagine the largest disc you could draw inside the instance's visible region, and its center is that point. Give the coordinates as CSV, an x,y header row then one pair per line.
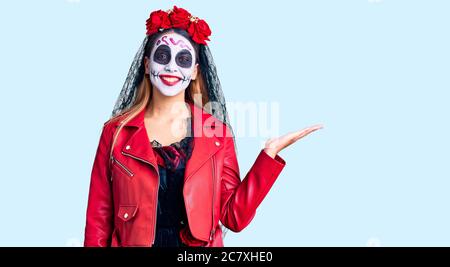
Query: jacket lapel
x,y
138,145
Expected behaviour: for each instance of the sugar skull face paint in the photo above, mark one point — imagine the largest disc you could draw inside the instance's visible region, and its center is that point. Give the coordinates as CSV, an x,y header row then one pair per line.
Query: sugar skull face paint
x,y
171,65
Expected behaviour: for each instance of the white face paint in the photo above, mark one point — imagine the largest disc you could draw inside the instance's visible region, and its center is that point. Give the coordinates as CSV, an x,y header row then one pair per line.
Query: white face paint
x,y
171,64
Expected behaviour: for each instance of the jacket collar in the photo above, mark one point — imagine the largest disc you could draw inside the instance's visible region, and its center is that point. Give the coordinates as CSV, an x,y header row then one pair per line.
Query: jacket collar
x,y
138,145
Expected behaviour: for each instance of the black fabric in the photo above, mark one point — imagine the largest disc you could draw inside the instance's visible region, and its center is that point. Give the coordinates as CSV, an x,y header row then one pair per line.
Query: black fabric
x,y
171,214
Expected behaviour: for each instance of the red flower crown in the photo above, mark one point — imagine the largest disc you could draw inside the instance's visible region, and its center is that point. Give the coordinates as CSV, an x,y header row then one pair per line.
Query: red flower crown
x,y
180,18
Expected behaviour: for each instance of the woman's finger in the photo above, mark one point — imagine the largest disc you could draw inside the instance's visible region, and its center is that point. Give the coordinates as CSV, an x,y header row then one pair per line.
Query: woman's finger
x,y
307,131
292,137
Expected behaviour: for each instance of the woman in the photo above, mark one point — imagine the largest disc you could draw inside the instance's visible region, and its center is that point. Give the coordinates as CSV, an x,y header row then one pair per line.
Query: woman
x,y
165,171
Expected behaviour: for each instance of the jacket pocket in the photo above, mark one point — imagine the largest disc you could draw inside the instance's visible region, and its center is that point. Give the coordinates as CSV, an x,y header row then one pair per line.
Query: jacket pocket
x,y
124,225
127,212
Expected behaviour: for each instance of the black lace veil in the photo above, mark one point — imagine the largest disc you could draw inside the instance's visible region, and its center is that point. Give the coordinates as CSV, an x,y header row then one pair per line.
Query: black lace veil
x,y
134,78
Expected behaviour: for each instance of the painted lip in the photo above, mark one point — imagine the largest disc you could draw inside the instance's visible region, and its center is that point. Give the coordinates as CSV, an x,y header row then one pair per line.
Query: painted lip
x,y
164,77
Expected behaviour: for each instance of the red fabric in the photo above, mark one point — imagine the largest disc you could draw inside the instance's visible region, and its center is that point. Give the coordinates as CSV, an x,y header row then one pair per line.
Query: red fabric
x,y
160,160
213,190
180,18
158,19
199,31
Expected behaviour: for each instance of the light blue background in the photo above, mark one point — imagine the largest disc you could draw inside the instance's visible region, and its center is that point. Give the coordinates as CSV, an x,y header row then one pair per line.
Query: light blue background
x,y
374,72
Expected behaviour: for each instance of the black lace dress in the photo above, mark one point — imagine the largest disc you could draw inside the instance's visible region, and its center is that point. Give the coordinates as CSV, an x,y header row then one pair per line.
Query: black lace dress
x,y
171,214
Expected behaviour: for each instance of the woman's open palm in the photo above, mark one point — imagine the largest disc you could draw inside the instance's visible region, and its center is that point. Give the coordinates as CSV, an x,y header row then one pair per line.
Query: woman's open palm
x,y
275,145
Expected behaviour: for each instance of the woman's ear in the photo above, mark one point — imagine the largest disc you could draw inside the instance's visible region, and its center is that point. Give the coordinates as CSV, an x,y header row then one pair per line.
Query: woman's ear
x,y
194,72
146,62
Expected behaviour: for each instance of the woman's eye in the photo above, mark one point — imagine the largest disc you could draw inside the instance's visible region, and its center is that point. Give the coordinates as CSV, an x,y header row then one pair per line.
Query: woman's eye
x,y
162,55
184,59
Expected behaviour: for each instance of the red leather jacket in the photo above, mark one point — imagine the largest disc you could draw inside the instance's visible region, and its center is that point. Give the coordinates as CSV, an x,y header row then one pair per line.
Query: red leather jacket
x,y
123,190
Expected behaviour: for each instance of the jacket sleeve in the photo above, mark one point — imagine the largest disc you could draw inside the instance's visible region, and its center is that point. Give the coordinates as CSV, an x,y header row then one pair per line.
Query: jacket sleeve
x,y
99,220
239,200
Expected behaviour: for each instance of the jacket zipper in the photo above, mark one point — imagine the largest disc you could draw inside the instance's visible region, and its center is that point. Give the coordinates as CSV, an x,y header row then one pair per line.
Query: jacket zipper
x,y
157,189
130,173
213,230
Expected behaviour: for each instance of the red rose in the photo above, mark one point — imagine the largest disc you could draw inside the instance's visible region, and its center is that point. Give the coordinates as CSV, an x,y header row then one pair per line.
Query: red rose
x,y
158,19
180,18
199,31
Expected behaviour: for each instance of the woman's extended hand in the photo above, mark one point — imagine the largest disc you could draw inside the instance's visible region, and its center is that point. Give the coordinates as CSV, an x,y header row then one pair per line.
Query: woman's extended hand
x,y
275,145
